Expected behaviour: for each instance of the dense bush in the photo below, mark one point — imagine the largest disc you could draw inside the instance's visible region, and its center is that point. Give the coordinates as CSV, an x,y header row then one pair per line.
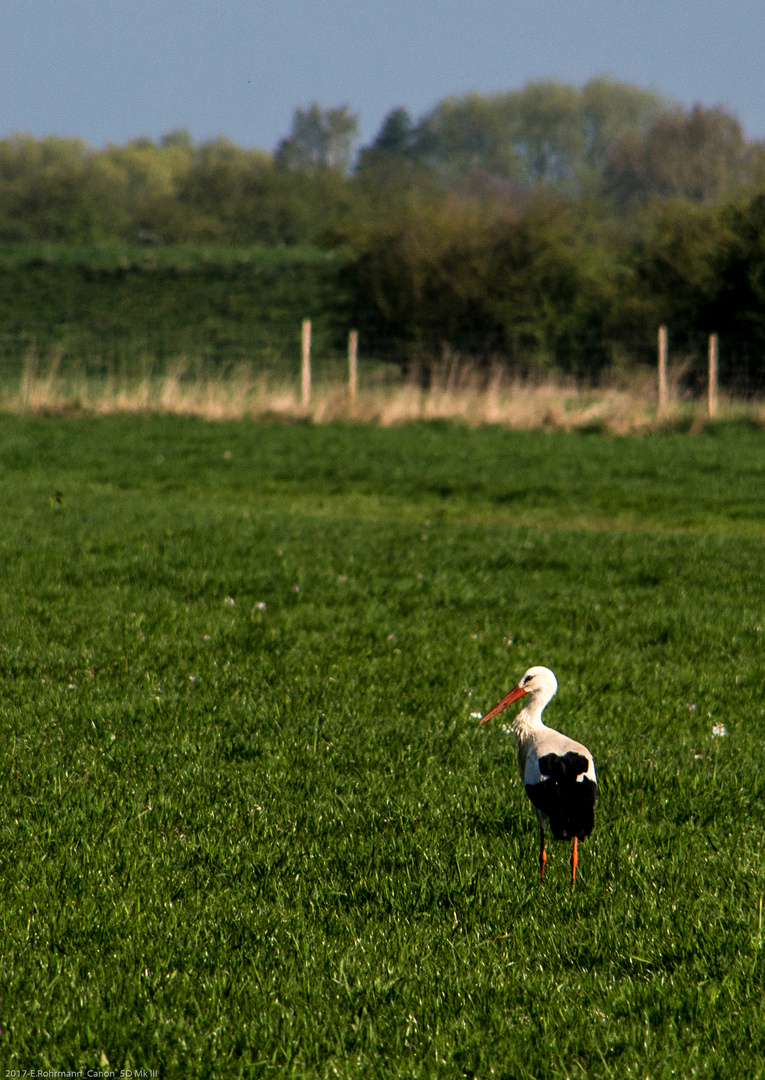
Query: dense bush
x,y
482,279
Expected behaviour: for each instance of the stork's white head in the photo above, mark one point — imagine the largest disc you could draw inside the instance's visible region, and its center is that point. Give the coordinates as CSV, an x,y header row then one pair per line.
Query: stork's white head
x,y
539,683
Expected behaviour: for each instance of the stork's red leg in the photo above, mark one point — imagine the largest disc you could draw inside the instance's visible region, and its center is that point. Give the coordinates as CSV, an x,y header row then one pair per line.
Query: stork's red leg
x,y
574,861
542,855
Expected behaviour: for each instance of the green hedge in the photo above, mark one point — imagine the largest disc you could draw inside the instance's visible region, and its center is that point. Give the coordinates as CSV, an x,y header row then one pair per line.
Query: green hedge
x,y
220,303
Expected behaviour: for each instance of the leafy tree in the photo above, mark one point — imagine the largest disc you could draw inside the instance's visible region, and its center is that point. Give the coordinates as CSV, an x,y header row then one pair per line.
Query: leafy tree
x,y
320,139
392,147
395,137
179,139
551,133
699,155
59,189
389,169
153,176
547,133
465,137
218,190
611,109
239,196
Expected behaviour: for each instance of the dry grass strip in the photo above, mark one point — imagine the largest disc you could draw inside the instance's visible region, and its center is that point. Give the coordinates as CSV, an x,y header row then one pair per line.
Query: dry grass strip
x,y
469,398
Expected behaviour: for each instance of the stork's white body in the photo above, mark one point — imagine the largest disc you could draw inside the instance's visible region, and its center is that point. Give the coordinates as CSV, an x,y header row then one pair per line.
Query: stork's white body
x,y
535,740
558,773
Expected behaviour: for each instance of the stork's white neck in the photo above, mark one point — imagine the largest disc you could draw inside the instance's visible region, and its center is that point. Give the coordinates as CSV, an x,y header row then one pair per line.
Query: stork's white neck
x,y
529,719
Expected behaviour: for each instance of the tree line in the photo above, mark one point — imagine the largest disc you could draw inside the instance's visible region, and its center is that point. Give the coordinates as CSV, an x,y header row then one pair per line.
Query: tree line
x,y
551,224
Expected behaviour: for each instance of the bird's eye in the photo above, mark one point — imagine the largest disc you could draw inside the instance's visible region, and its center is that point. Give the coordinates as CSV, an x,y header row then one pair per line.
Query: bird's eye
x,y
528,679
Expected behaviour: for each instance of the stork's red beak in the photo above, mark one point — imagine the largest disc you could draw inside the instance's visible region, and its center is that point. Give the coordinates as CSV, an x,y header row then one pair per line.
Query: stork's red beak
x,y
508,699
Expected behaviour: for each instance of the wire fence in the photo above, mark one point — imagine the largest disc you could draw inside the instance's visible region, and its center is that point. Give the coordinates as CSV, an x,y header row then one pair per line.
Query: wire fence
x,y
740,364
272,353
123,354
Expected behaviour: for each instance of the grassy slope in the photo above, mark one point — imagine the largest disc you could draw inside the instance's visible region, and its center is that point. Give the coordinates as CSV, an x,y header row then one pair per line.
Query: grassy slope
x,y
164,302
307,860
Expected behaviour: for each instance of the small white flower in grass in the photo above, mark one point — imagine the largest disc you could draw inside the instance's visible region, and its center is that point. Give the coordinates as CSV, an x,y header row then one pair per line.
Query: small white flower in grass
x,y
230,601
690,706
296,588
391,637
507,729
261,605
507,641
207,637
72,686
192,678
343,577
718,731
476,715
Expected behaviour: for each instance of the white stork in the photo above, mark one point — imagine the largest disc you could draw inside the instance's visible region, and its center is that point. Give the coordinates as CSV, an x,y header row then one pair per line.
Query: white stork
x,y
558,773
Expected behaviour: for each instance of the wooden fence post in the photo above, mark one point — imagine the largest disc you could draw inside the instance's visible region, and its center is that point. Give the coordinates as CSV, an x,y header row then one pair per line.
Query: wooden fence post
x,y
712,388
662,370
305,370
353,358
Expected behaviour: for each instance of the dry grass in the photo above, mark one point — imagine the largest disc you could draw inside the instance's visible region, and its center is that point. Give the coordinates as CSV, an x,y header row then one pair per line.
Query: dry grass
x,y
456,392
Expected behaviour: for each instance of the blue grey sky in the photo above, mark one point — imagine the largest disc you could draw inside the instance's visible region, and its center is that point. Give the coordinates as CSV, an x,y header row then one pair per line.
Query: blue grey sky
x,y
110,70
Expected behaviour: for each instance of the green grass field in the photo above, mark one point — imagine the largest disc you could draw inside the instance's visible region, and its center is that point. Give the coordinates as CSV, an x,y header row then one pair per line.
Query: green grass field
x,y
249,826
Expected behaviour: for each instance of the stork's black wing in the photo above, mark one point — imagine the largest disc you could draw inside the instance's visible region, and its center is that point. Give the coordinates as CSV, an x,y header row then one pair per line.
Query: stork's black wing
x,y
568,802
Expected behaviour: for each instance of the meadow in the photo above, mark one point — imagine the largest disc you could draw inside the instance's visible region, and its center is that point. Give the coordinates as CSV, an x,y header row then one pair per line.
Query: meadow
x,y
250,826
